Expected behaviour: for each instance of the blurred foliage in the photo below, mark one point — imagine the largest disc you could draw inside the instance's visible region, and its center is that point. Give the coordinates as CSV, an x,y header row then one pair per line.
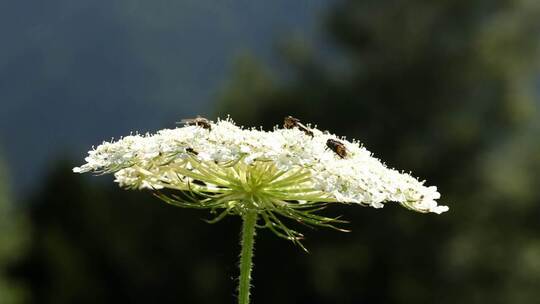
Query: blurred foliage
x,y
442,88
445,89
250,79
12,242
99,244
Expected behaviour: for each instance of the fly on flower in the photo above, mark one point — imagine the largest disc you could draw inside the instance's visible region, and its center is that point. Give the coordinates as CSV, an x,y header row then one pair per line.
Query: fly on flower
x,y
336,146
198,121
291,122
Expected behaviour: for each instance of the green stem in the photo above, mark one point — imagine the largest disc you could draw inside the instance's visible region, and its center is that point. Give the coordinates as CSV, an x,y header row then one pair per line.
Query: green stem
x,y
246,256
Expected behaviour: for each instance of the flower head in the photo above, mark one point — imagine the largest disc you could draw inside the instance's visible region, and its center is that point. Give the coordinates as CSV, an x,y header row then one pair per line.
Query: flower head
x,y
288,171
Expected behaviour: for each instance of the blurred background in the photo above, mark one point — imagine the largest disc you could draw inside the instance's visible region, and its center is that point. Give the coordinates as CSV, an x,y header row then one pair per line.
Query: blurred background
x,y
447,89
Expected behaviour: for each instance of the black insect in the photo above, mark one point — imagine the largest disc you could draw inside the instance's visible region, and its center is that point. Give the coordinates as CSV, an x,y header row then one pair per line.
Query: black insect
x,y
337,146
198,121
290,122
190,150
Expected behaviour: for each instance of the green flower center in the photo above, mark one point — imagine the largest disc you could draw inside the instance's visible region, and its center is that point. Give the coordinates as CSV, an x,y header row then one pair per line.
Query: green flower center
x,y
236,188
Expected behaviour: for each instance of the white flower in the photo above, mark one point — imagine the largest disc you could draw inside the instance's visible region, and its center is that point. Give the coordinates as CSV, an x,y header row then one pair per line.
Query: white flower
x,y
234,169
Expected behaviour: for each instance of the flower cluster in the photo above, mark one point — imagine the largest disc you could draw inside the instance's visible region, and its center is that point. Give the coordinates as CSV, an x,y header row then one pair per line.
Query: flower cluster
x,y
288,171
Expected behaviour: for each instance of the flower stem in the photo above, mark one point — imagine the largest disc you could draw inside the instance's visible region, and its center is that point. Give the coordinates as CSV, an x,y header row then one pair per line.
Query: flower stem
x,y
246,256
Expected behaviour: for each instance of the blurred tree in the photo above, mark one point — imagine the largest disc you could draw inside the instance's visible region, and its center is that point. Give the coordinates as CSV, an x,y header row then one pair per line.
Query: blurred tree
x,y
445,89
12,242
251,79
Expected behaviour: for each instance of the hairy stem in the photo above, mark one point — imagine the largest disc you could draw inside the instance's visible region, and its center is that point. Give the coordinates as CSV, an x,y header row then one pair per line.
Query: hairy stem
x,y
246,256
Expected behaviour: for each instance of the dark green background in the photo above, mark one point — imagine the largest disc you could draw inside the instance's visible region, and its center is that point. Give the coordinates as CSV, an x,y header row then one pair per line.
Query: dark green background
x,y
446,89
